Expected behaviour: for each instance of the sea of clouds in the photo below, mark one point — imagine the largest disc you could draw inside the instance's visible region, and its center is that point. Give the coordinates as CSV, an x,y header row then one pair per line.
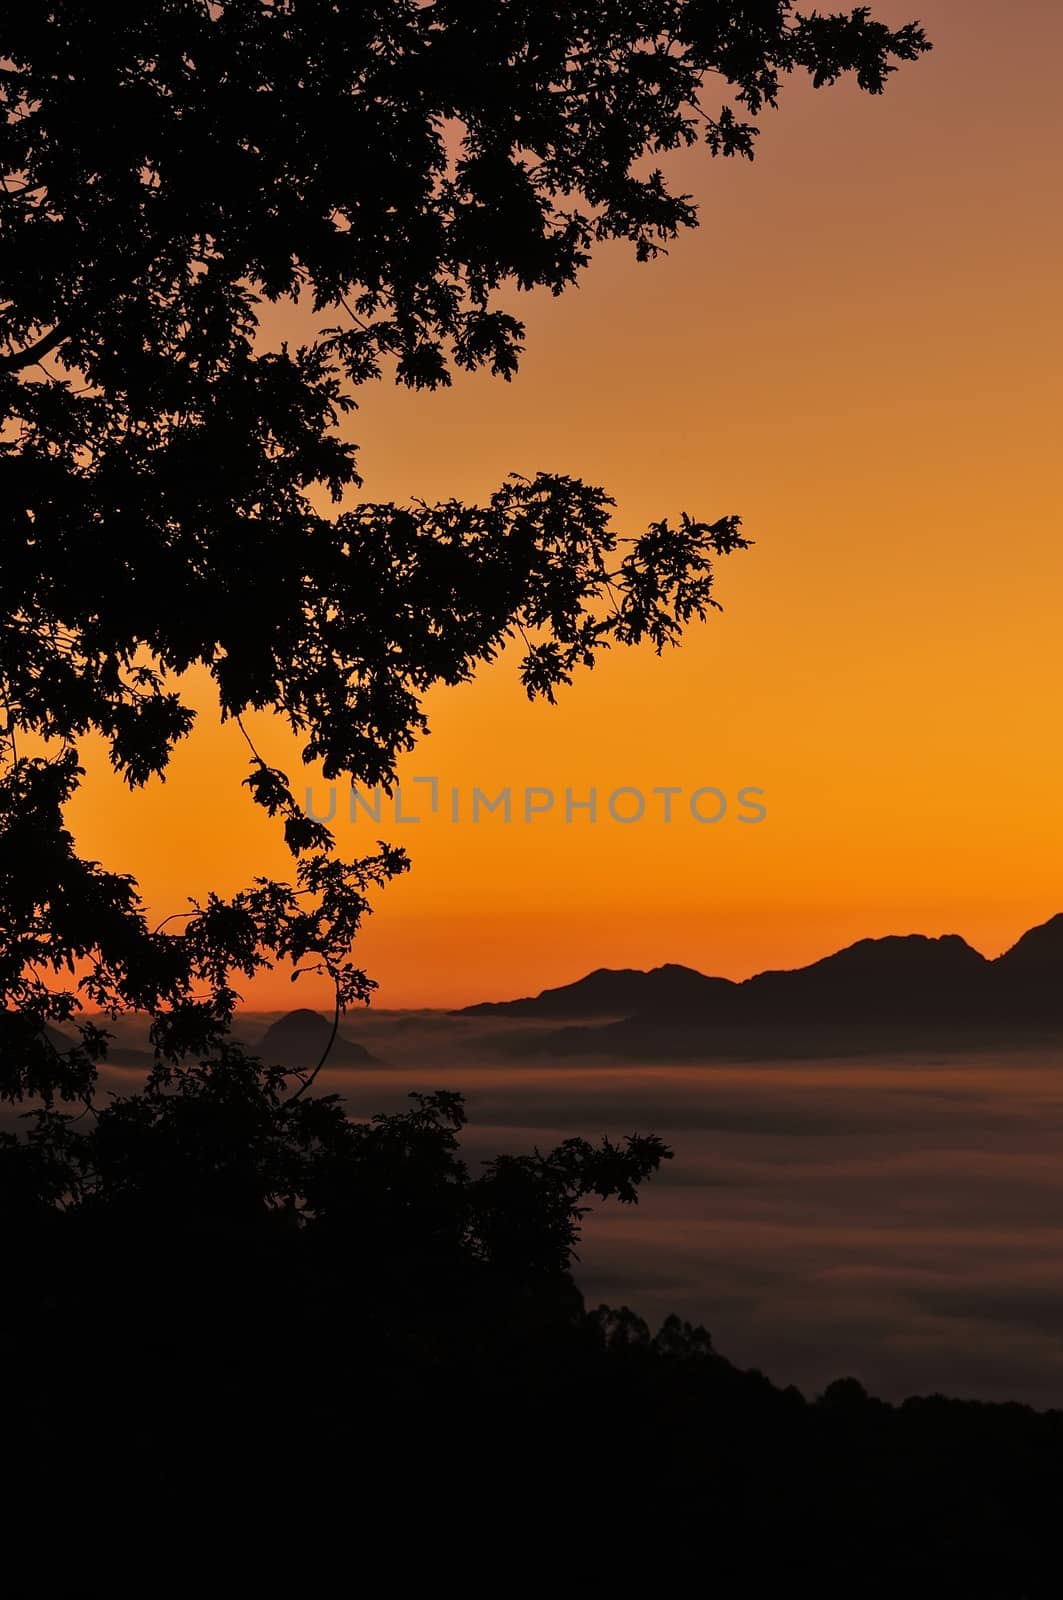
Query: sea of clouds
x,y
898,1220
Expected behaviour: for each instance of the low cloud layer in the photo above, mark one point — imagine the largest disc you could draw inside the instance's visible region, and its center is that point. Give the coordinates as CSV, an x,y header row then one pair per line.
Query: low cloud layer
x,y
899,1221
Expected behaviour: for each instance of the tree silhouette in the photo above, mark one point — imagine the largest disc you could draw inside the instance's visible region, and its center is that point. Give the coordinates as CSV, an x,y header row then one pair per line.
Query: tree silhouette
x,y
392,170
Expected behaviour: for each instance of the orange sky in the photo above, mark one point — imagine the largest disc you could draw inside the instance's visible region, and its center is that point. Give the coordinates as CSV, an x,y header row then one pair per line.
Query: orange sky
x,y
859,351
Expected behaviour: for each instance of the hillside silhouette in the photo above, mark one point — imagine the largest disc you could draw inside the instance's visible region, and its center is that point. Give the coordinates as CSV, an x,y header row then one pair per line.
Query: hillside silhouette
x,y
610,992
301,1038
895,990
275,1289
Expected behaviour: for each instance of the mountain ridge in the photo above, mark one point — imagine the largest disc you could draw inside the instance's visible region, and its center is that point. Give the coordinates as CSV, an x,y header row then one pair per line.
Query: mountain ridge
x,y
899,978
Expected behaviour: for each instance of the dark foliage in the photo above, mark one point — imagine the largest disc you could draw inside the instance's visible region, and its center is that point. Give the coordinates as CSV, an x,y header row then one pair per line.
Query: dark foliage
x,y
248,1304
387,171
223,1279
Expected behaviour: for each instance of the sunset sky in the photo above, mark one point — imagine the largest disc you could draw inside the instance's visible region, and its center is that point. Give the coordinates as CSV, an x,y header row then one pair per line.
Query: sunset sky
x,y
859,351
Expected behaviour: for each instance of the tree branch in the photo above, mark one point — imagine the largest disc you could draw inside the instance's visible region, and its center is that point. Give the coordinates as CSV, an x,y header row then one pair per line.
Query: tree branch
x,y
26,358
306,1082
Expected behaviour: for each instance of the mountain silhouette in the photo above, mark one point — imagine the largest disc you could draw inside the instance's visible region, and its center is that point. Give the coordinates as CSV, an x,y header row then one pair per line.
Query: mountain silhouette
x,y
299,1039
611,992
872,980
58,1039
902,988
1037,955
118,1055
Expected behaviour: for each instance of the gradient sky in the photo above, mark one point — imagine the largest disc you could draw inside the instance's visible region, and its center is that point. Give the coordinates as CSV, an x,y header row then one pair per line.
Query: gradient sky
x,y
860,352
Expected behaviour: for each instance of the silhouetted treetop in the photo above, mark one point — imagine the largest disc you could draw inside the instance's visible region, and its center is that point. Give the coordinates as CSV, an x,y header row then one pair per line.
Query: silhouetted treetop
x,y
412,156
390,167
223,1144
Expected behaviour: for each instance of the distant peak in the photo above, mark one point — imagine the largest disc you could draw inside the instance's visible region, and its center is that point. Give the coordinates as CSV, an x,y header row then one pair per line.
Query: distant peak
x,y
300,1019
1038,948
301,1034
